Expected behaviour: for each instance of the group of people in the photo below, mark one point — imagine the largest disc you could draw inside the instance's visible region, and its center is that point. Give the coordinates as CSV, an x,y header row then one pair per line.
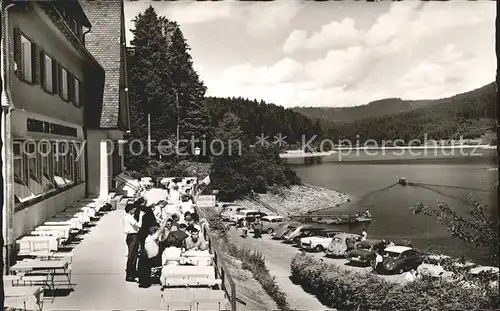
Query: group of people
x,y
256,225
160,231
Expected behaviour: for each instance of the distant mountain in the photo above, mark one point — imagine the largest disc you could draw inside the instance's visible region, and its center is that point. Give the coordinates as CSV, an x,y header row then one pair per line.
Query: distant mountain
x,y
471,114
378,108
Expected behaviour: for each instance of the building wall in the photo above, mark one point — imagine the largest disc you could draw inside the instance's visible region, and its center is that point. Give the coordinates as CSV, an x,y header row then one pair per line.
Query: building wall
x,y
99,158
38,28
30,101
27,219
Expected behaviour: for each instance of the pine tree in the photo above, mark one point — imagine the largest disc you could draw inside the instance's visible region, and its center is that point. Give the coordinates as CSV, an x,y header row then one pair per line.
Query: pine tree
x,y
150,83
193,116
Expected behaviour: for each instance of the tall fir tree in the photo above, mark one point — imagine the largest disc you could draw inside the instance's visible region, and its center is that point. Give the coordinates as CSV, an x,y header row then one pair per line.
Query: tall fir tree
x,y
193,116
150,84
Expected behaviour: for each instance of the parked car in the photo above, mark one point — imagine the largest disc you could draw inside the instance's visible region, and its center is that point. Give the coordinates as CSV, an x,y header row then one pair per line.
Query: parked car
x,y
307,232
271,223
397,259
342,243
250,217
319,241
230,210
240,214
365,251
293,233
283,229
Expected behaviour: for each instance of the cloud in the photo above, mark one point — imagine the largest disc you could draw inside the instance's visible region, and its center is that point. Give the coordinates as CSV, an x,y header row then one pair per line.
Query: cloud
x,y
262,17
334,34
268,16
284,70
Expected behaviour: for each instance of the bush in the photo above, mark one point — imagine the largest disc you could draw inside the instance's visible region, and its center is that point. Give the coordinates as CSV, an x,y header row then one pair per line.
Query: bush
x,y
251,260
343,289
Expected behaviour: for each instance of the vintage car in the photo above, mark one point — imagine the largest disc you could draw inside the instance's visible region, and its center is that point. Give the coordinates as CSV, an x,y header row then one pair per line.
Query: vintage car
x,y
271,223
240,214
307,232
319,241
397,259
288,237
365,251
342,243
283,229
250,217
230,210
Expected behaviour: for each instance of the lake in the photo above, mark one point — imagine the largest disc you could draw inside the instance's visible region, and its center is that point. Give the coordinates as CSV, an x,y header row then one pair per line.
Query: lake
x,y
361,176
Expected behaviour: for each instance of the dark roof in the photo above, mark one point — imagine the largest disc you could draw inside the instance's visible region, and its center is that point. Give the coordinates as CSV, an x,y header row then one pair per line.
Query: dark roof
x,y
104,41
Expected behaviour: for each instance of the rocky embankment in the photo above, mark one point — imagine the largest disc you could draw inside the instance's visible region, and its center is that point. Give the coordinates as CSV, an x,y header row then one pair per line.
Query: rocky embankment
x,y
299,199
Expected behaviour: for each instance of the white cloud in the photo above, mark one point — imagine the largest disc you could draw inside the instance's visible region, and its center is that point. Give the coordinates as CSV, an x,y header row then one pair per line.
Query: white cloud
x,y
334,34
414,50
283,71
263,17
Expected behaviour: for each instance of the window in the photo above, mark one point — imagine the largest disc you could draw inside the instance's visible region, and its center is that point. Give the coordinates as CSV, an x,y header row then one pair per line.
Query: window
x,y
76,92
64,84
26,59
48,74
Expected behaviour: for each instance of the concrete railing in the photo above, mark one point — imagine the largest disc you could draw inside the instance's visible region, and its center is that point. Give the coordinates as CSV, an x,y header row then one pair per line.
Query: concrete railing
x,y
221,270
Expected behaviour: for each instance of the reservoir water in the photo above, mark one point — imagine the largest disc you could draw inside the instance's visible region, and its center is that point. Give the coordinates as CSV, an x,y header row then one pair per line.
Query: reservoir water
x,y
361,176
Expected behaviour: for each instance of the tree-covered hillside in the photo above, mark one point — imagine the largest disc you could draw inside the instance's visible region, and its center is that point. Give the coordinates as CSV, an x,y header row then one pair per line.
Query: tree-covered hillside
x,y
469,114
258,117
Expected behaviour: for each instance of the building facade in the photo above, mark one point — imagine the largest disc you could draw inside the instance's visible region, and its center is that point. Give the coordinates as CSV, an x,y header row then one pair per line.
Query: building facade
x,y
51,86
107,43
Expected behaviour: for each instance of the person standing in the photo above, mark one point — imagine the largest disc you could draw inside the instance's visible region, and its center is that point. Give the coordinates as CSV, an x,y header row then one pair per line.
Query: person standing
x,y
257,228
149,255
131,229
364,235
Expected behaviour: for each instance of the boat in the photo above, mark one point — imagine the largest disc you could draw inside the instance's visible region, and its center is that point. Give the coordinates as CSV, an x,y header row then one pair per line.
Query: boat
x,y
403,181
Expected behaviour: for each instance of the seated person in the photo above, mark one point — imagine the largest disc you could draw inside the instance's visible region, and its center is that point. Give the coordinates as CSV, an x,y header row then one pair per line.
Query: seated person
x,y
195,242
175,220
186,205
159,211
173,249
188,219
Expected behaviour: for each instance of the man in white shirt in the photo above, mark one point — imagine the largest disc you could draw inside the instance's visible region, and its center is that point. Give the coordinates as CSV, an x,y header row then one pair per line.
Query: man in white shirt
x,y
174,195
186,206
131,228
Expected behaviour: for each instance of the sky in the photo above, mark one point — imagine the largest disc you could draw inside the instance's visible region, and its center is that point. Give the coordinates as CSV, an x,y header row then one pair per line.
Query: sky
x,y
335,53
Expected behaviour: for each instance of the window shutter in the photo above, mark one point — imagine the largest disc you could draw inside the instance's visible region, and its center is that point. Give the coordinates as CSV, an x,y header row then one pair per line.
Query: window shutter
x,y
42,68
35,67
80,93
59,80
55,75
18,53
70,87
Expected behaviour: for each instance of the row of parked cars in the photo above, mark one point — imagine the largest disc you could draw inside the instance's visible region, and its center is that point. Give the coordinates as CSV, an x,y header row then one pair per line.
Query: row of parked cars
x,y
336,243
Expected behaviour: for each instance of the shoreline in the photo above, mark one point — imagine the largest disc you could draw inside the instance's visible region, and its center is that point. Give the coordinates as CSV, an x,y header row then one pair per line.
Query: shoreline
x,y
298,199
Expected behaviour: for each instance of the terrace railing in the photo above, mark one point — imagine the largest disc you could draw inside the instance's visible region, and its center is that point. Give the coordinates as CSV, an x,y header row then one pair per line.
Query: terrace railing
x,y
222,272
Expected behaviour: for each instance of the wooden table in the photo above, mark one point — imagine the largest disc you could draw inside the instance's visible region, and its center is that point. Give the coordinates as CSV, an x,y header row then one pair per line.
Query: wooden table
x,y
50,243
25,267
